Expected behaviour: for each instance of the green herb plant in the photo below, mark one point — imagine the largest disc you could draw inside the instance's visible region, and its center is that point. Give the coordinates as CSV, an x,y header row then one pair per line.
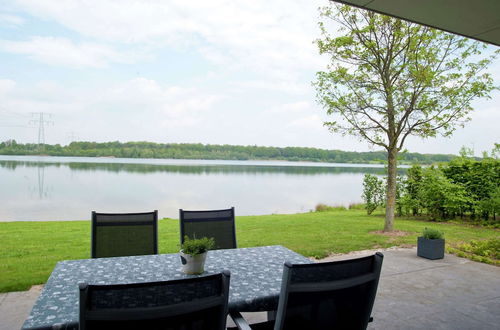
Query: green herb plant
x,y
431,233
195,246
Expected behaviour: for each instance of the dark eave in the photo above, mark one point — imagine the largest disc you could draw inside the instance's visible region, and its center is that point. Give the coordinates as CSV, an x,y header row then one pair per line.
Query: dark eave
x,y
476,19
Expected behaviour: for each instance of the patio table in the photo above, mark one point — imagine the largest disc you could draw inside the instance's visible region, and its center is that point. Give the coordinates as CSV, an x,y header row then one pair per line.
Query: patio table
x,y
255,280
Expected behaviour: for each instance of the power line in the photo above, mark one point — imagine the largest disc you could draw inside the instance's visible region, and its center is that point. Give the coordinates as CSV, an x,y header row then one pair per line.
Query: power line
x,y
72,136
4,111
41,126
8,115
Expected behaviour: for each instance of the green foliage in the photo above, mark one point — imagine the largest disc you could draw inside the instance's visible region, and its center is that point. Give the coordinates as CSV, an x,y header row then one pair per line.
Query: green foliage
x,y
464,187
389,73
389,79
490,204
488,248
373,193
210,151
399,192
324,208
441,198
356,206
487,251
411,188
195,246
495,153
431,233
466,152
481,180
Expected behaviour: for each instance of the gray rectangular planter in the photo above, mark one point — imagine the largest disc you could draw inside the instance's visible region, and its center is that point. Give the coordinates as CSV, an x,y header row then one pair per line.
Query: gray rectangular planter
x,y
430,248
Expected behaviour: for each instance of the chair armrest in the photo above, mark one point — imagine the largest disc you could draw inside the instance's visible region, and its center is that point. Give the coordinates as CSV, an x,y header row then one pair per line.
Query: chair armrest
x,y
240,322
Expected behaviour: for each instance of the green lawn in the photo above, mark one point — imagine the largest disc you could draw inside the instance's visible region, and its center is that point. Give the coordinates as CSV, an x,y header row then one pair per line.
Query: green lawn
x,y
30,250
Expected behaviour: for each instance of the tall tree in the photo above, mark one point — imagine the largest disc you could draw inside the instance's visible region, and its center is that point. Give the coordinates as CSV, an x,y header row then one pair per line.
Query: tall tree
x,y
389,79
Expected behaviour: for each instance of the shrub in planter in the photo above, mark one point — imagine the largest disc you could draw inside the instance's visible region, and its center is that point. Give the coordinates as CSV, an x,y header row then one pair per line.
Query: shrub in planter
x,y
431,244
193,254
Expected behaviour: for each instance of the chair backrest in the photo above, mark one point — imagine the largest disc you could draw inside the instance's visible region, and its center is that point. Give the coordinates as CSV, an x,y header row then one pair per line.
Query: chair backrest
x,y
331,295
124,234
218,224
193,303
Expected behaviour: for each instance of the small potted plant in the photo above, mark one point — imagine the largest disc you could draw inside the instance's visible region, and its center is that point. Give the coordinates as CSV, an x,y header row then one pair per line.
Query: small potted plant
x,y
193,254
431,244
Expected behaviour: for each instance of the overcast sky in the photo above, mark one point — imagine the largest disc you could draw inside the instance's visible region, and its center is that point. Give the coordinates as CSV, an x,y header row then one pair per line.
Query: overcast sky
x,y
218,72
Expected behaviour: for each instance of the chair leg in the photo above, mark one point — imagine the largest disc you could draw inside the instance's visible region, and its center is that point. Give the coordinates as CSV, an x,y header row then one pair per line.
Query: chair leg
x,y
240,322
271,315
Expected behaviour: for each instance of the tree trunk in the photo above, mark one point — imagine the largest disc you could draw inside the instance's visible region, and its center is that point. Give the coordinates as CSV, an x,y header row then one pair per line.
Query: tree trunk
x,y
391,189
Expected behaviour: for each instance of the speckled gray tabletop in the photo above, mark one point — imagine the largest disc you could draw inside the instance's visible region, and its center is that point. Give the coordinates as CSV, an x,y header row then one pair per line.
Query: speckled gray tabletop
x,y
255,280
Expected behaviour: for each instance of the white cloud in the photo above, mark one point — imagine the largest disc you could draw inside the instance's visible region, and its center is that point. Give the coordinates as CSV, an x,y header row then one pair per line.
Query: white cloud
x,y
292,107
236,34
289,86
6,85
257,90
164,106
64,52
138,109
11,20
308,122
145,109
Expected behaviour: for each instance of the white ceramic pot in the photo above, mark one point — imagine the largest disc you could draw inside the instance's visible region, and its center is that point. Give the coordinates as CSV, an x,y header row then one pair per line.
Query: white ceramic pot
x,y
193,265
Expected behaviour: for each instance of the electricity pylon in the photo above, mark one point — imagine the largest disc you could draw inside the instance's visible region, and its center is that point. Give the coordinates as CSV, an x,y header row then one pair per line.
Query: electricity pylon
x,y
72,136
41,127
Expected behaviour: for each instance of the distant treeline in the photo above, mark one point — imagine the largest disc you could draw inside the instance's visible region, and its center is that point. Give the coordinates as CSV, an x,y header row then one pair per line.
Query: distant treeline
x,y
211,151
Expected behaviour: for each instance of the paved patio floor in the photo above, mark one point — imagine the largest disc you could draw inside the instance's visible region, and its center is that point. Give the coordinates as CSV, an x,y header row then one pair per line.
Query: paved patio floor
x,y
451,293
414,293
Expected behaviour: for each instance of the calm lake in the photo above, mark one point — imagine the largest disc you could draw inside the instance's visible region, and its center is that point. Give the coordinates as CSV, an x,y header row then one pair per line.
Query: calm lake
x,y
69,188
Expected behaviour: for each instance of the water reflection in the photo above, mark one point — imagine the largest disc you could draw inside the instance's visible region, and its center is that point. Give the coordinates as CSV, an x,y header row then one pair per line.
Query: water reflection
x,y
40,188
56,188
194,169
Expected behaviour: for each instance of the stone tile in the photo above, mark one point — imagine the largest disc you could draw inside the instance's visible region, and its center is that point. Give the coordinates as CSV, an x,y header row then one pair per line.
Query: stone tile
x,y
16,306
387,324
451,293
3,296
487,311
449,320
456,283
406,261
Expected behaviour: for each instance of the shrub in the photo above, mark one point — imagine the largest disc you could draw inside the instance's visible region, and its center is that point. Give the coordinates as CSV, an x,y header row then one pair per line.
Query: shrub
x,y
465,188
197,246
487,251
431,233
373,193
487,248
479,180
410,196
441,198
324,208
356,206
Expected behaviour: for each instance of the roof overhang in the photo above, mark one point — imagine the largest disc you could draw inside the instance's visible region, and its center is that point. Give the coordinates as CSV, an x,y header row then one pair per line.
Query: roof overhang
x,y
476,19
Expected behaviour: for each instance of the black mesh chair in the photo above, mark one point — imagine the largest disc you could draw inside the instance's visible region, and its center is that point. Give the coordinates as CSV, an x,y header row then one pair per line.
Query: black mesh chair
x,y
332,295
124,234
187,304
218,224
